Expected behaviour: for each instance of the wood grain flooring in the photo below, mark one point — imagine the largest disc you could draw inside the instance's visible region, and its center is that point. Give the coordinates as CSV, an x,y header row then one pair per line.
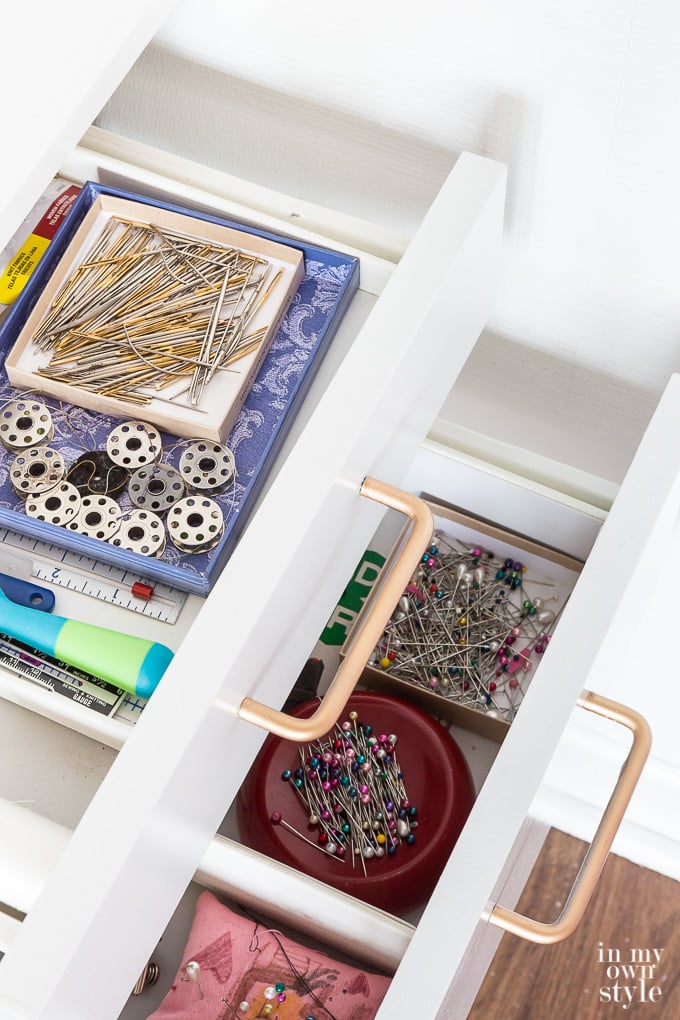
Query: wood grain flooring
x,y
603,969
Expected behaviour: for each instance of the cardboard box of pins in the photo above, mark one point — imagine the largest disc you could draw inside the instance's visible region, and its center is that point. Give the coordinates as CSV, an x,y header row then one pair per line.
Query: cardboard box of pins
x,y
156,314
468,634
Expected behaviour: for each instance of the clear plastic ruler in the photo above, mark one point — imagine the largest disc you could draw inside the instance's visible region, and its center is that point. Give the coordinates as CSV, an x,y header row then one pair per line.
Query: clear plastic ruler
x,y
88,576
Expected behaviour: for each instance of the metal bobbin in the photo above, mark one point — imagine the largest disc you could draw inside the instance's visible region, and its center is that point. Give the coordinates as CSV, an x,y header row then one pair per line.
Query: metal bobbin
x,y
25,423
97,517
148,977
36,470
207,467
156,487
133,444
95,474
195,524
56,506
142,532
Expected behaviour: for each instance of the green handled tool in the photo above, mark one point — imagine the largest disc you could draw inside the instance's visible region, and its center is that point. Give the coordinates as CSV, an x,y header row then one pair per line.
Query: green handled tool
x,y
134,664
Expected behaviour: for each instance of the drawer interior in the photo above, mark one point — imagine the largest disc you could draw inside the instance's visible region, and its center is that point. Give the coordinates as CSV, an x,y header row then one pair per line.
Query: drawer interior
x,y
391,934
203,196
59,782
76,751
56,752
378,257
171,954
89,745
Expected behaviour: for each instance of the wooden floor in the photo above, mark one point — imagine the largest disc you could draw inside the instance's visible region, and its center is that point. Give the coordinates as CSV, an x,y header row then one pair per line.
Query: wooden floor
x,y
633,912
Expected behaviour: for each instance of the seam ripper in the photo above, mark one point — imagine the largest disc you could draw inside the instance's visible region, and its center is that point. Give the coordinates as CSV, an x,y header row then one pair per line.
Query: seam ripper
x,y
134,664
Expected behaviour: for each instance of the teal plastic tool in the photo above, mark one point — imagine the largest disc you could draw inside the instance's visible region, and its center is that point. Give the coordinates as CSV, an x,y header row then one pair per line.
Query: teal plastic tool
x,y
131,663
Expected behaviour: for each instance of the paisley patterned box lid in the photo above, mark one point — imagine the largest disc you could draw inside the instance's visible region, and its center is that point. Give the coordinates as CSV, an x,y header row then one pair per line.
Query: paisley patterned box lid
x,y
330,280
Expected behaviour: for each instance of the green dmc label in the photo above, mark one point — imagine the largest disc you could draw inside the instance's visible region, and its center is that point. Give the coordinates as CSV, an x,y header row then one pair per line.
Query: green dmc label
x,y
353,598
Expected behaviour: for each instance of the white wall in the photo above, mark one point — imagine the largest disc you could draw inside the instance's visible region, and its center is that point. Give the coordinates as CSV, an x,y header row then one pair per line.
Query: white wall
x,y
365,106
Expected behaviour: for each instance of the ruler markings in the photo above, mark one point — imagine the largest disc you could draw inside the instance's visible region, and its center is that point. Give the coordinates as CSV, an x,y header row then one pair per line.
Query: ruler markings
x,y
78,686
106,587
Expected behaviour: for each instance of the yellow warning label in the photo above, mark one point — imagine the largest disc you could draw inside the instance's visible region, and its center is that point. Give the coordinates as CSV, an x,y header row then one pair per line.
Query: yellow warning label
x,y
17,273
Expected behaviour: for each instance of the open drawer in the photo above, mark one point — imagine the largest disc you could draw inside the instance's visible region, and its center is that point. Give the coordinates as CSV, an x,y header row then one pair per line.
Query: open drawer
x,y
497,846
367,411
435,976
145,818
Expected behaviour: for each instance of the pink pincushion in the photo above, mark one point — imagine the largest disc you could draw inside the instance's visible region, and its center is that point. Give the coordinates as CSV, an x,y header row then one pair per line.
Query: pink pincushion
x,y
238,960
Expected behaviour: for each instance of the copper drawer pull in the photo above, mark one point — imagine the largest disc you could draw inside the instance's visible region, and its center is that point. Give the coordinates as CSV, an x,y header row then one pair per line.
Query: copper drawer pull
x,y
594,860
365,639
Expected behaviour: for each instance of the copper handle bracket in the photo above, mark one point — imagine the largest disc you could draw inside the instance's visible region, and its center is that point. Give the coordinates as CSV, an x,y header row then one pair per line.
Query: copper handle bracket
x,y
365,638
584,885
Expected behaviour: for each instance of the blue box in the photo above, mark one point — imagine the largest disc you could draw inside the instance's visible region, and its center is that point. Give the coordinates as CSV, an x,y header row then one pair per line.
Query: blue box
x,y
329,283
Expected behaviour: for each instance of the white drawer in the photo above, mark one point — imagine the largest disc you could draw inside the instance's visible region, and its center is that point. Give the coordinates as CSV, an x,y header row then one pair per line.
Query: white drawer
x,y
367,412
592,633
506,797
144,817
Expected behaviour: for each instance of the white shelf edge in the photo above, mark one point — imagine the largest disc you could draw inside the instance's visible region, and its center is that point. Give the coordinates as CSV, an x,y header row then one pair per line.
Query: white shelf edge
x,y
33,845
234,198
61,710
574,489
351,230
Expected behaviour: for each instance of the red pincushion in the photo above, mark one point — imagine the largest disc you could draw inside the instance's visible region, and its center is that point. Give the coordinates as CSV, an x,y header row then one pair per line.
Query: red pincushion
x,y
438,783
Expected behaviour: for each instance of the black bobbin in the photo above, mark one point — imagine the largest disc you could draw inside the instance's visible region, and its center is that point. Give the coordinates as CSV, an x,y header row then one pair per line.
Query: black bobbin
x,y
95,473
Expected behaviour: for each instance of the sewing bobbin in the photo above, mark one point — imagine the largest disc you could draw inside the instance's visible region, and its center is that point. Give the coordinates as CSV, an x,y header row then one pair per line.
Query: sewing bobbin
x,y
56,506
195,524
133,444
207,468
156,487
97,517
25,423
141,531
36,470
96,474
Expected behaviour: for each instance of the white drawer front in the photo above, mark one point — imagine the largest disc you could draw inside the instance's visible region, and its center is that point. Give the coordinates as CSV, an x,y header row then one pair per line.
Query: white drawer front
x,y
595,630
81,57
140,840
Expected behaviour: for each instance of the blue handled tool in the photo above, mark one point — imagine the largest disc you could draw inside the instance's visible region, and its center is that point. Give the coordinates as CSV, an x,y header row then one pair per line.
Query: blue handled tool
x,y
134,664
25,593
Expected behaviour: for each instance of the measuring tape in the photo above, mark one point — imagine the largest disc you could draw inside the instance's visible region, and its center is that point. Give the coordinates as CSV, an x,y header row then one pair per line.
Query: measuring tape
x,y
67,681
87,690
98,580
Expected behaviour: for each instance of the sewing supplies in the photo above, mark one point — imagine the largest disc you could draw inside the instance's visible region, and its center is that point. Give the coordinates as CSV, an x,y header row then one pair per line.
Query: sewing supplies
x,y
141,531
59,678
319,283
134,664
25,593
82,496
132,444
156,487
353,792
36,470
370,816
24,423
76,572
474,621
94,473
148,977
271,998
236,966
195,524
57,506
208,468
27,662
31,241
156,309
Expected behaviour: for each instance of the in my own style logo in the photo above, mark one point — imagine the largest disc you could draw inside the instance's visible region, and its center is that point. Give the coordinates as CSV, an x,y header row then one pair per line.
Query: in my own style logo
x,y
629,975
